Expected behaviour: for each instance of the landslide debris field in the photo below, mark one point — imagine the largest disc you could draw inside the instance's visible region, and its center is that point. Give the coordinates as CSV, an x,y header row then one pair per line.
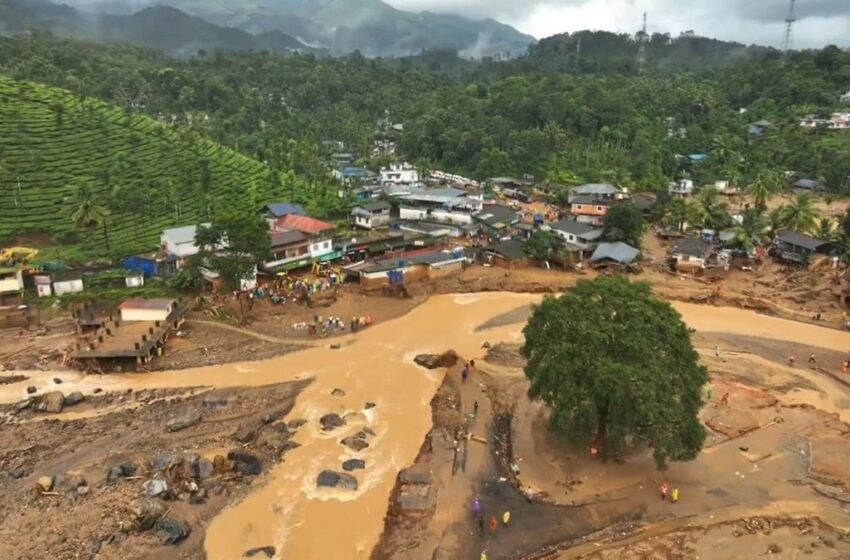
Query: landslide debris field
x,y
350,449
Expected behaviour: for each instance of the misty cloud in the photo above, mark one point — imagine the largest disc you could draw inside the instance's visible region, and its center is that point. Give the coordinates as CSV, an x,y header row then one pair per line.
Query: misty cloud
x,y
819,22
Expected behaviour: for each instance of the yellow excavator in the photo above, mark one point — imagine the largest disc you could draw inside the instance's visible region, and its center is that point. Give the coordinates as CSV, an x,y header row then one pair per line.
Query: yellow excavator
x,y
12,256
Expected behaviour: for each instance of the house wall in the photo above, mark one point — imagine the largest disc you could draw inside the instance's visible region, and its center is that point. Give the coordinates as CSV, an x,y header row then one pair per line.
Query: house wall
x,y
68,287
44,290
446,269
12,283
134,281
687,262
145,314
320,248
571,238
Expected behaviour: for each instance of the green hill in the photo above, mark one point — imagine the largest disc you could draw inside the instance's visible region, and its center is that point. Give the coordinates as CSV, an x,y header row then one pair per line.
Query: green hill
x,y
147,175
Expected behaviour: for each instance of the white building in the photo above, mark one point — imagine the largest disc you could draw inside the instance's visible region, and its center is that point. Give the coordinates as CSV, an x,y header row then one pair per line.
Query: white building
x,y
179,243
372,215
11,287
682,187
399,174
580,234
845,98
69,282
447,205
146,309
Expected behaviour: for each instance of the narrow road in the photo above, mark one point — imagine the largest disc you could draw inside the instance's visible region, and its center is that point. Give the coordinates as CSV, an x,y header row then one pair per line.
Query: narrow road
x,y
248,332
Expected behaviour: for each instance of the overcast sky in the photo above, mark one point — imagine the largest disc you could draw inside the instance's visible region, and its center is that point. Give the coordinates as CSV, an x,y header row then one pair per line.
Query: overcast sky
x,y
819,22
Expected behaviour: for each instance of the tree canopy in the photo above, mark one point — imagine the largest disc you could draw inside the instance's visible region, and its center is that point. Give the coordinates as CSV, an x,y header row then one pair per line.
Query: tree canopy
x,y
233,244
624,222
617,367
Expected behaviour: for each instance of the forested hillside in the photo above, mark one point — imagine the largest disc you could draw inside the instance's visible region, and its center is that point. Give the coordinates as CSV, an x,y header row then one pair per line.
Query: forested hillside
x,y
480,119
133,176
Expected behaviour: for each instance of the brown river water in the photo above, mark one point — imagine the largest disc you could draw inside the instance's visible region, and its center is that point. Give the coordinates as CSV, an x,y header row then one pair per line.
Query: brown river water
x,y
287,510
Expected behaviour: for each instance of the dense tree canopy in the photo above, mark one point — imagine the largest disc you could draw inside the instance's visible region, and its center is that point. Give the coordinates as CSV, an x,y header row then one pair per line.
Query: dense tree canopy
x,y
233,245
624,222
617,367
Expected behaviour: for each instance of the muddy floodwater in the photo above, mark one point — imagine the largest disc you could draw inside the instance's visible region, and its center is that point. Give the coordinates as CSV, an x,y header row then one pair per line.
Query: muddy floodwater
x,y
286,509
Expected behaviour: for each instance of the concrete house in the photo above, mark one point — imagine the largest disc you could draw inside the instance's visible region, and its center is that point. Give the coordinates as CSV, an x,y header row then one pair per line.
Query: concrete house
x,y
319,233
598,191
580,234
590,210
287,249
681,188
371,215
179,244
439,205
67,282
690,253
496,220
800,248
399,174
146,309
276,211
618,253
11,287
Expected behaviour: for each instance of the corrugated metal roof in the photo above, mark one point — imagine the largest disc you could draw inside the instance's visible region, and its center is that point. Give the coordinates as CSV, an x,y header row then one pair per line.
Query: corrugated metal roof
x,y
304,224
617,252
280,209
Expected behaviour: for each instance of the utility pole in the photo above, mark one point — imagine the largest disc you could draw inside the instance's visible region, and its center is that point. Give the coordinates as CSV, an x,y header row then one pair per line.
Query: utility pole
x,y
789,29
642,38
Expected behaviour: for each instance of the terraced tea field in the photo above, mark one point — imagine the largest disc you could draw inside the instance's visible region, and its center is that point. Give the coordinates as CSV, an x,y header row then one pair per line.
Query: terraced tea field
x,y
51,141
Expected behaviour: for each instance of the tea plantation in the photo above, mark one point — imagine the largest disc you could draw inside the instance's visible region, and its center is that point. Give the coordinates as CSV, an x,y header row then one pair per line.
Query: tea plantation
x,y
147,175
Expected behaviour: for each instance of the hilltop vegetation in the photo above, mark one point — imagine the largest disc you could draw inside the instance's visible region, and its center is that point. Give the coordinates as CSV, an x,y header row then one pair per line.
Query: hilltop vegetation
x,y
141,175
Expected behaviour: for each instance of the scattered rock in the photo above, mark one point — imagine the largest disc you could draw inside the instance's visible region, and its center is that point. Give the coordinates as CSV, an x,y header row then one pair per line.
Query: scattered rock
x,y
295,424
31,389
354,443
51,402
486,344
245,462
205,468
173,530
46,483
94,545
245,434
338,393
156,486
270,417
267,550
74,398
23,405
369,405
367,431
281,428
83,490
184,421
75,481
220,464
331,421
57,380
216,399
354,464
331,479
97,390
144,513
336,346
774,549
16,473
434,361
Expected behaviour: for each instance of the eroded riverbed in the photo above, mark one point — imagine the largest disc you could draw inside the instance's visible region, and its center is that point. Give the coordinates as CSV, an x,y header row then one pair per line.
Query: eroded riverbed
x,y
286,510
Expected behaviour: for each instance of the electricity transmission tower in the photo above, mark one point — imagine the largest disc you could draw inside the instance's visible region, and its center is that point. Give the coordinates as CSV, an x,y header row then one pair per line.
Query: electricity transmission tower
x,y
789,28
642,38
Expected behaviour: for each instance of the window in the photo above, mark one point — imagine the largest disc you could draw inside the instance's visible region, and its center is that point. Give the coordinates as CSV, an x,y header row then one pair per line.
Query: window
x,y
578,207
599,209
326,245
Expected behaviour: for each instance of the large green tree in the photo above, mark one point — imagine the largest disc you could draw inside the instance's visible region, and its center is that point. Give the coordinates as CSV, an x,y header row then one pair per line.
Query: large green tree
x,y
87,212
617,367
233,245
541,246
624,222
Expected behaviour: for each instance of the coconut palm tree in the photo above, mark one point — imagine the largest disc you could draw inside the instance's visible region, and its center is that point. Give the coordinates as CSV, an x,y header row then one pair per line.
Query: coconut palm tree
x,y
87,213
825,229
776,220
801,215
708,210
753,229
763,189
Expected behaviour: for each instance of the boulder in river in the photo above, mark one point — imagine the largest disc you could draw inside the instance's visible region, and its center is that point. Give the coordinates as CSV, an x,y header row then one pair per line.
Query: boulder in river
x,y
368,405
183,421
245,434
31,389
74,398
245,462
355,443
156,486
332,479
45,483
173,530
57,380
434,361
267,551
51,402
144,512
353,464
331,421
338,392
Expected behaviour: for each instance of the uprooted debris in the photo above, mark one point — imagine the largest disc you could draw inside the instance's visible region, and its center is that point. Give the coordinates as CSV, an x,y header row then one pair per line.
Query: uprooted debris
x,y
434,361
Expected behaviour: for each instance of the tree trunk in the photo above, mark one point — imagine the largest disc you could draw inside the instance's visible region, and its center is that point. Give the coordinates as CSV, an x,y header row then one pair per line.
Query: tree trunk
x,y
600,443
106,235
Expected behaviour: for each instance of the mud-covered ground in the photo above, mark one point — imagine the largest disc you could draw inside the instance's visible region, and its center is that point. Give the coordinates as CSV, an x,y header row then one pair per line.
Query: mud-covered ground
x,y
81,511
